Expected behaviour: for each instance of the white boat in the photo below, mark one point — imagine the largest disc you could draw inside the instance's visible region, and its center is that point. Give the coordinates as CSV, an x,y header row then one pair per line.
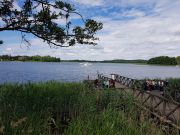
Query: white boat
x,y
86,64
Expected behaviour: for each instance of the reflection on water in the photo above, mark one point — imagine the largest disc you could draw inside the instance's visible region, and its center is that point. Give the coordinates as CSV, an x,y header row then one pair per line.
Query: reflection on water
x,y
41,71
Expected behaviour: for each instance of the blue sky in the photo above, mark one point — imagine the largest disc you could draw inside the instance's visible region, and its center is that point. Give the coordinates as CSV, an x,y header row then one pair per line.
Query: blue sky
x,y
133,29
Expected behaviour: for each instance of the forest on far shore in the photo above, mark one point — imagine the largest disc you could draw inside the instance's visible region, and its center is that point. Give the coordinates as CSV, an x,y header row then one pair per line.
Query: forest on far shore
x,y
29,58
161,60
164,60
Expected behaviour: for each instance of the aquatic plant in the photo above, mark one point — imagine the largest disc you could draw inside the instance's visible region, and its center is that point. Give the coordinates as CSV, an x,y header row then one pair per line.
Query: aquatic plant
x,y
172,91
68,108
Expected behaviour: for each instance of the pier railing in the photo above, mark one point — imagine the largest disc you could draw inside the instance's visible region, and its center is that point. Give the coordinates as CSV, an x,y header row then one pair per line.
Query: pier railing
x,y
166,110
128,82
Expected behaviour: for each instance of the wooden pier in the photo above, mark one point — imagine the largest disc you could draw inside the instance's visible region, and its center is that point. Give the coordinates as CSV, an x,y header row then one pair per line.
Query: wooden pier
x,y
165,110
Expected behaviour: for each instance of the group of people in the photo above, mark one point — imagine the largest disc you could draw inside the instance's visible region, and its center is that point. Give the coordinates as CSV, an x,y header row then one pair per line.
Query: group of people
x,y
105,83
150,85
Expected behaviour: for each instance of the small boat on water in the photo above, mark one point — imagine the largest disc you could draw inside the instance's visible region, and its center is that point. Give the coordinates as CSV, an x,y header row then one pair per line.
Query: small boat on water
x,y
86,64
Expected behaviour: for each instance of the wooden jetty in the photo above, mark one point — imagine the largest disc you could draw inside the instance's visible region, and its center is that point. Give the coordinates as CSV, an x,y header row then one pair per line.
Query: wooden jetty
x,y
167,111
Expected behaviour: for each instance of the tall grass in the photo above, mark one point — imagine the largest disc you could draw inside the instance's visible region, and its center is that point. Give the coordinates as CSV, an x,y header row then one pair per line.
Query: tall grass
x,y
110,122
72,108
173,89
27,108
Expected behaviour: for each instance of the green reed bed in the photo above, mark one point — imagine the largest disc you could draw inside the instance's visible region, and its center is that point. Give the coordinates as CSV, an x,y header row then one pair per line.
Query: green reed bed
x,y
174,83
172,91
70,109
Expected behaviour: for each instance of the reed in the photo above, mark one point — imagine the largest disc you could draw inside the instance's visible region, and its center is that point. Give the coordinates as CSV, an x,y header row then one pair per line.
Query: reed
x,y
172,91
70,109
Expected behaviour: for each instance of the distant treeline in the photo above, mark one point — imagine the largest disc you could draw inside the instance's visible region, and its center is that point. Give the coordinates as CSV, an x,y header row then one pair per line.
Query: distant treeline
x,y
108,61
161,60
79,61
164,60
124,61
29,58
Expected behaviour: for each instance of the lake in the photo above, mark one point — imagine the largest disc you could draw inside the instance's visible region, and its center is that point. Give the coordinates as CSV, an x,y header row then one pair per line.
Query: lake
x,y
74,72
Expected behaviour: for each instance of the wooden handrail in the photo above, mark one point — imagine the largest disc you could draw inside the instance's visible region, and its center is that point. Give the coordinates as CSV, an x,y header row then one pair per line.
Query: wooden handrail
x,y
147,97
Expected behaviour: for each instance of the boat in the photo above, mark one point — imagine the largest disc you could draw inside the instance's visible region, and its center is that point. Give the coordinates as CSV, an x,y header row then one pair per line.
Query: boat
x,y
86,64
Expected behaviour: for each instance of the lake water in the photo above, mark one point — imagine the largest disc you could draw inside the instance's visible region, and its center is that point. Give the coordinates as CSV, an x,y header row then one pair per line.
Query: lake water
x,y
74,72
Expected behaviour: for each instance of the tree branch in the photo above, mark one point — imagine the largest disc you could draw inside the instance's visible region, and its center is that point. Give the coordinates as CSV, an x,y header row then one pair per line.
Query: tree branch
x,y
41,24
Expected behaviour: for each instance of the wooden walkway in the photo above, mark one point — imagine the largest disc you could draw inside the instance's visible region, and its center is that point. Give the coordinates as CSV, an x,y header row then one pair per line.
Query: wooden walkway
x,y
167,111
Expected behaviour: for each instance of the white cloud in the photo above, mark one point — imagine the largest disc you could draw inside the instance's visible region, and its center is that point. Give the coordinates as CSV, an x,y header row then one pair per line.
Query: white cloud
x,y
133,13
1,22
91,2
8,51
144,36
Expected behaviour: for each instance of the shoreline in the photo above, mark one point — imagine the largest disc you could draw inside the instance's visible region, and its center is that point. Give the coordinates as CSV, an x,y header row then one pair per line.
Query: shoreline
x,y
96,62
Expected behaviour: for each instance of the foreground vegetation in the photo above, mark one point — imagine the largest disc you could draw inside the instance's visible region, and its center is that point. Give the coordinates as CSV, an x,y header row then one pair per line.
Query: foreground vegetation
x,y
172,91
69,108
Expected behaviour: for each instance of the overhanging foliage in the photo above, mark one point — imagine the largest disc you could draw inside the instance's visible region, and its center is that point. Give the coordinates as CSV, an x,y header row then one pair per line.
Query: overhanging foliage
x,y
38,17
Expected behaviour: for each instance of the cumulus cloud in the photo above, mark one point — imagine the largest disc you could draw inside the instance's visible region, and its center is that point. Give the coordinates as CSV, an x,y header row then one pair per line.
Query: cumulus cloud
x,y
133,29
141,38
8,51
133,13
91,2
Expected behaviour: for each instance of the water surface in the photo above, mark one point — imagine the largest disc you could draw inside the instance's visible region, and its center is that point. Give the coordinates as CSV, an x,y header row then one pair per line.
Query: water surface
x,y
74,72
